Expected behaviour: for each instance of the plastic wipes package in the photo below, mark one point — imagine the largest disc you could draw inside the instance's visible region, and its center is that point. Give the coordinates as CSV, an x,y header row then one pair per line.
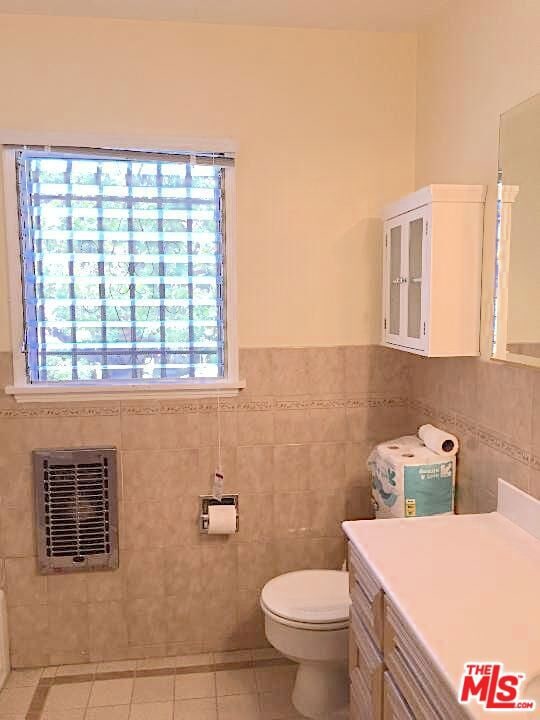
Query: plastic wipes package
x,y
409,480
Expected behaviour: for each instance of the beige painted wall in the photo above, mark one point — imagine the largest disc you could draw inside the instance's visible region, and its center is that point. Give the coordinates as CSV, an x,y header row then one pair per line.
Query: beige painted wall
x,y
324,125
475,61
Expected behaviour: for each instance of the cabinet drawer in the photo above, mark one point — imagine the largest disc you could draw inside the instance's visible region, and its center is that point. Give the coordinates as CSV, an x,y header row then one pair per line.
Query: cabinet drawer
x,y
425,691
366,665
361,703
367,596
395,707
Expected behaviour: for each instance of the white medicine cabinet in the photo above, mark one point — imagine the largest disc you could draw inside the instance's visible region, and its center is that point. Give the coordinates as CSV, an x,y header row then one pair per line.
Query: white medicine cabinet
x,y
432,271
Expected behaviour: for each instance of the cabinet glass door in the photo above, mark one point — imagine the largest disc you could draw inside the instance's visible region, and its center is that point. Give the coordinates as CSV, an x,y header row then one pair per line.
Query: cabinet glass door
x,y
414,289
395,280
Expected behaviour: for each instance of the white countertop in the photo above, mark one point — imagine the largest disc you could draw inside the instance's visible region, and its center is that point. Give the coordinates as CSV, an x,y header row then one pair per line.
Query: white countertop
x,y
468,585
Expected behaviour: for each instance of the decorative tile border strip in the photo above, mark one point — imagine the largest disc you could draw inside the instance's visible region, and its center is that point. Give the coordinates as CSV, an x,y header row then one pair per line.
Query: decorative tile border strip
x,y
39,698
368,400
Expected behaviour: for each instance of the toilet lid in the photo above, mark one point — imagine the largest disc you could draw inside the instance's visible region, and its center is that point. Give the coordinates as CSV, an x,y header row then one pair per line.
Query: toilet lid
x,y
310,596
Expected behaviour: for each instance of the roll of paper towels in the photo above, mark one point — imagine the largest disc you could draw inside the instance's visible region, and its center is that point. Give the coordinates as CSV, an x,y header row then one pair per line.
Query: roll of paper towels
x,y
440,442
221,519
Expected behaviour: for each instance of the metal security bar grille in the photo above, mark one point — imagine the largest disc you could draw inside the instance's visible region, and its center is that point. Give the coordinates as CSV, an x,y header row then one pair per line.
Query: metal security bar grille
x,y
76,509
123,266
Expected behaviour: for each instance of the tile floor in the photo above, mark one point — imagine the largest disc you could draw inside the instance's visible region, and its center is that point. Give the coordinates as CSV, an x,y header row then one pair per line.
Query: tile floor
x,y
243,685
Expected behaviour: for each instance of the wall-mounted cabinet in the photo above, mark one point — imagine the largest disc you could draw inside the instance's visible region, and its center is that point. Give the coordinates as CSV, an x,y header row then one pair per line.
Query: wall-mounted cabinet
x,y
432,271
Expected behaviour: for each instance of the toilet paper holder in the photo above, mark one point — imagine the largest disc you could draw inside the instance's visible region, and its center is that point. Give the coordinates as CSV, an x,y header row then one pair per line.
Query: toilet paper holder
x,y
207,500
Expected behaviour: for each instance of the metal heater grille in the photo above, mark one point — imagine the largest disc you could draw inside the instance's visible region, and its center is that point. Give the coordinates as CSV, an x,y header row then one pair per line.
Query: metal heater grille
x,y
76,509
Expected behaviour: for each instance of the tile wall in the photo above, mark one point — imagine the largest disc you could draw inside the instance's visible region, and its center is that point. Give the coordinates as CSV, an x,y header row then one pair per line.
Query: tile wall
x,y
494,409
295,445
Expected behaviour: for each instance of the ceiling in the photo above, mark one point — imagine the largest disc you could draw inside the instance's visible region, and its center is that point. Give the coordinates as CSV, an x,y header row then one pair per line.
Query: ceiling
x,y
382,15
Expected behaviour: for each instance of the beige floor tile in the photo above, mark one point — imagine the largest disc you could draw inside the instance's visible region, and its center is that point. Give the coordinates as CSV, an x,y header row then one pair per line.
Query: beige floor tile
x,y
116,712
66,697
238,707
275,678
198,685
116,666
277,706
235,682
153,689
111,692
24,678
152,711
70,714
191,660
15,700
80,669
198,709
233,656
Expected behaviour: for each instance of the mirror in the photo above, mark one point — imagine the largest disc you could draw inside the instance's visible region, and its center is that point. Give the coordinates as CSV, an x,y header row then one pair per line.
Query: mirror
x,y
517,285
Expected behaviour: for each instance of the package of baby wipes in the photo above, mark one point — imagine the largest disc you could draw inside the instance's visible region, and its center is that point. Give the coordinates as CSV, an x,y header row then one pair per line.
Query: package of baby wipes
x,y
410,480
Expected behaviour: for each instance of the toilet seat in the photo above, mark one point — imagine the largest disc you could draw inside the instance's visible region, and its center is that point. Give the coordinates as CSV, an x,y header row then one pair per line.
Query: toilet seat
x,y
309,599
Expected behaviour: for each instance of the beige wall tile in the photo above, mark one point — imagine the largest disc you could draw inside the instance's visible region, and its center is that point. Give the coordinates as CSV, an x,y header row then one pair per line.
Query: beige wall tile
x,y
69,588
103,586
290,371
256,564
227,424
291,467
24,585
16,531
103,431
300,554
326,370
357,365
256,370
293,515
16,488
179,431
144,573
158,474
256,517
328,425
146,621
68,630
143,525
292,426
327,466
255,427
28,628
254,468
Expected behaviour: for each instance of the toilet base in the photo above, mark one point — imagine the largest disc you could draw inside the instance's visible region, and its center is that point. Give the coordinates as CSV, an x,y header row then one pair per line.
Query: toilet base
x,y
321,691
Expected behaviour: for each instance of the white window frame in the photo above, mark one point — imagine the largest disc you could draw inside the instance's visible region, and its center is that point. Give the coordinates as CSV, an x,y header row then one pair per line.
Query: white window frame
x,y
22,390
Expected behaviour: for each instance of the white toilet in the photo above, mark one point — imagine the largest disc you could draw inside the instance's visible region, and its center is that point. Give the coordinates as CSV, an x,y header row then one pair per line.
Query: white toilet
x,y
307,620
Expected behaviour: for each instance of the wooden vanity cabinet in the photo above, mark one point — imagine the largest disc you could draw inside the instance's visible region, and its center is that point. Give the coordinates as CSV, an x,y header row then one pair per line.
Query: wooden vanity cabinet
x,y
391,675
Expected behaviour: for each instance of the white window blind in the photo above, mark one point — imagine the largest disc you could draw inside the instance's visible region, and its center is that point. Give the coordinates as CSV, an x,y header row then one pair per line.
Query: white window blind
x,y
122,260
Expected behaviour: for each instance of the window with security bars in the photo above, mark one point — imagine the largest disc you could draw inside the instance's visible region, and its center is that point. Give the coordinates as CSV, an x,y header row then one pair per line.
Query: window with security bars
x,y
123,263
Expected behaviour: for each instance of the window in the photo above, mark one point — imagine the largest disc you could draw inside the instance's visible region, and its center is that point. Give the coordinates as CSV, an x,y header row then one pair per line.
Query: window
x,y
124,268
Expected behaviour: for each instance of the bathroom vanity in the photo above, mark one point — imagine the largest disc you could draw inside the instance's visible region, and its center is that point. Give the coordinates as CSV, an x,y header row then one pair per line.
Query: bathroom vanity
x,y
430,594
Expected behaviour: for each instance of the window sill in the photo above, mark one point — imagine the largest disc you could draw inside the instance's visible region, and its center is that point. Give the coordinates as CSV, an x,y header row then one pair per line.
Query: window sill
x,y
92,392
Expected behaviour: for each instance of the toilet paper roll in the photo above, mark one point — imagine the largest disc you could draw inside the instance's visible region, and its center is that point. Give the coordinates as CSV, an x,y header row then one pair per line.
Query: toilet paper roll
x,y
221,519
440,442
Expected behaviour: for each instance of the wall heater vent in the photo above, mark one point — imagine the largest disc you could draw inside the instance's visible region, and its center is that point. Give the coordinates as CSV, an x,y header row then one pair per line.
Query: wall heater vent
x,y
76,509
